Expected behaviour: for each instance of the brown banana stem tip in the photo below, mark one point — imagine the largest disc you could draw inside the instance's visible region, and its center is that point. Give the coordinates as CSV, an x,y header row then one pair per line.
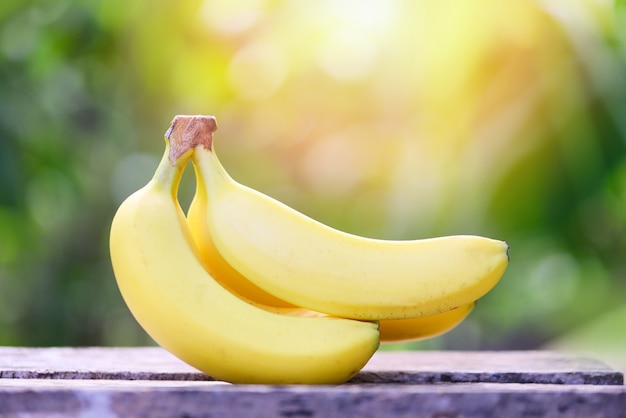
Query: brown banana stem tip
x,y
187,132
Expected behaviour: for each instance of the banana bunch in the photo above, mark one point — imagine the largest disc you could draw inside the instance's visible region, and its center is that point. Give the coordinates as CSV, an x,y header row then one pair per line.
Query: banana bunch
x,y
248,290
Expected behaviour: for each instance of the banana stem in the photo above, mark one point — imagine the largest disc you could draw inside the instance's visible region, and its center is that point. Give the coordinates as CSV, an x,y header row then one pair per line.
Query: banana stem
x,y
188,132
168,174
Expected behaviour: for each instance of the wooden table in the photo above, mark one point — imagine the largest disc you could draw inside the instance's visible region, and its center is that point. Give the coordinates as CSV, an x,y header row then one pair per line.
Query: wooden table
x,y
149,382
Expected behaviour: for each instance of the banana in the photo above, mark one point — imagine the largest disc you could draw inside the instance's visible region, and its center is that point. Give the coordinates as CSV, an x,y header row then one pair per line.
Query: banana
x,y
391,330
311,265
421,328
181,306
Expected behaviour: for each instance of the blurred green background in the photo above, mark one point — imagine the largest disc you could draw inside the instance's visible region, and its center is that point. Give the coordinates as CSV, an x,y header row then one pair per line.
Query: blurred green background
x,y
387,118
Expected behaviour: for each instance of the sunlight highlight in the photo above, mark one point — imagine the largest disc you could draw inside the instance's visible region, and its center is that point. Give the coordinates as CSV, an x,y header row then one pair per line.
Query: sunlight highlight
x,y
258,70
230,17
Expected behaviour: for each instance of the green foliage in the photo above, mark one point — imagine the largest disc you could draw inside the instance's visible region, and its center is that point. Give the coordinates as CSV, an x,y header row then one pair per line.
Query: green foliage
x,y
62,101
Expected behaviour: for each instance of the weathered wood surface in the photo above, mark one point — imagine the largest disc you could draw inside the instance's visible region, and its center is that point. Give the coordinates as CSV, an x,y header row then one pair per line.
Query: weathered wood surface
x,y
149,382
154,363
155,399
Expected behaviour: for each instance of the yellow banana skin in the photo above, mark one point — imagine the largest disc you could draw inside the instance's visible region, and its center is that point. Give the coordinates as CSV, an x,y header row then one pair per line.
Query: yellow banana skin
x,y
391,330
181,306
421,328
219,268
314,266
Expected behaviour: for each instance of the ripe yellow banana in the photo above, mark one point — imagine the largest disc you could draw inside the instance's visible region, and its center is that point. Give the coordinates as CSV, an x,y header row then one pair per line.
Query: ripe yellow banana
x,y
180,305
391,330
421,328
312,265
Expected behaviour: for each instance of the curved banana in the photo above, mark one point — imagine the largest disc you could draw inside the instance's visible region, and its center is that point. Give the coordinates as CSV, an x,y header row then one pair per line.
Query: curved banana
x,y
312,265
391,330
421,328
182,307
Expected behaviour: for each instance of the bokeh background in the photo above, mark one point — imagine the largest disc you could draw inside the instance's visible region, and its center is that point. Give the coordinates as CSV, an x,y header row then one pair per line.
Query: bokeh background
x,y
387,118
